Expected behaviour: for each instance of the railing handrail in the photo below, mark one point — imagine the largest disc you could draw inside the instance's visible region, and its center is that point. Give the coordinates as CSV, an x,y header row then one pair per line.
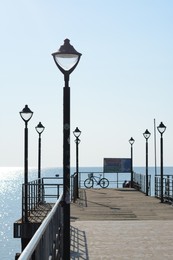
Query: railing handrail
x,y
29,249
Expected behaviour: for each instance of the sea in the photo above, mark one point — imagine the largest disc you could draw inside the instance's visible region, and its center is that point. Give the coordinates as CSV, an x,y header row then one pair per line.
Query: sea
x,y
11,179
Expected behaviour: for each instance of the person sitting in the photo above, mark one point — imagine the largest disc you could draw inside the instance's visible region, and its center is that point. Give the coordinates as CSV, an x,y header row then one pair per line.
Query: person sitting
x,y
126,184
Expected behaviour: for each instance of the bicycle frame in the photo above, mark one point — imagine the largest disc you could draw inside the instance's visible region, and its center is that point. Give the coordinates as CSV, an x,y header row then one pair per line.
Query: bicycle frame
x,y
94,178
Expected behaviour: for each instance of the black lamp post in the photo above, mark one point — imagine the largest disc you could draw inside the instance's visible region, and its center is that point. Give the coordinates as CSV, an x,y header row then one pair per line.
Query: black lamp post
x,y
26,115
39,128
161,128
66,59
146,134
77,133
131,141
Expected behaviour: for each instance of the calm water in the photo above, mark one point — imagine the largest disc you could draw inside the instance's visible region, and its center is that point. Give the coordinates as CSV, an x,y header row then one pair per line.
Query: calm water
x,y
10,200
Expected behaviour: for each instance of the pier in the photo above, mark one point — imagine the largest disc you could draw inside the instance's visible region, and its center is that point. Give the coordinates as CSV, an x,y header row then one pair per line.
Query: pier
x,y
105,223
120,224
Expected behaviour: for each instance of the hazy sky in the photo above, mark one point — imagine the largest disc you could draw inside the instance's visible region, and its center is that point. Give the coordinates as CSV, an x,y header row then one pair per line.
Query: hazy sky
x,y
123,81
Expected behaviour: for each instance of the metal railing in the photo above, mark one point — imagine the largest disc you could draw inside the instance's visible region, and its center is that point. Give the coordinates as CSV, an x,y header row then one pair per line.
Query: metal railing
x,y
117,183
167,187
40,191
139,182
47,241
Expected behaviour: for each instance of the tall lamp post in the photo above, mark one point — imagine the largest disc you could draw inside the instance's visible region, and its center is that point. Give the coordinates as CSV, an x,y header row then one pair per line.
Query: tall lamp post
x,y
39,128
161,128
66,59
26,115
146,135
77,133
131,141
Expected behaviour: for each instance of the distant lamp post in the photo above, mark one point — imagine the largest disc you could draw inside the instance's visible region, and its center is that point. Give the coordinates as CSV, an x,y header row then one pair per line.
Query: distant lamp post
x,y
146,135
39,128
131,141
26,115
66,59
161,128
77,133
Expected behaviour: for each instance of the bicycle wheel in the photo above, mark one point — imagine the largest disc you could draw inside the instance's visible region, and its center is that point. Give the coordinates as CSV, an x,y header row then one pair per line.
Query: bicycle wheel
x,y
88,183
104,183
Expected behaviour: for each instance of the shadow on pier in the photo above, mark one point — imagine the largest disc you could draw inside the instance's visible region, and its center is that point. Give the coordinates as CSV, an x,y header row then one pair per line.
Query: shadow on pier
x,y
119,204
79,249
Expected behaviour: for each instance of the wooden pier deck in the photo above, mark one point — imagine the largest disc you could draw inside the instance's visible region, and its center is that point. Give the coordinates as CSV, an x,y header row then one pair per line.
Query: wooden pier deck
x,y
120,224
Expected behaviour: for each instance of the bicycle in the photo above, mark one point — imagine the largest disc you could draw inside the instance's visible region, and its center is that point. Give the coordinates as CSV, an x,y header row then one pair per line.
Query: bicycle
x,y
89,182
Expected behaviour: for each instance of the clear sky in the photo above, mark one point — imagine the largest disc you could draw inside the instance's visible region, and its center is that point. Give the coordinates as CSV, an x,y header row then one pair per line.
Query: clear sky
x,y
123,81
